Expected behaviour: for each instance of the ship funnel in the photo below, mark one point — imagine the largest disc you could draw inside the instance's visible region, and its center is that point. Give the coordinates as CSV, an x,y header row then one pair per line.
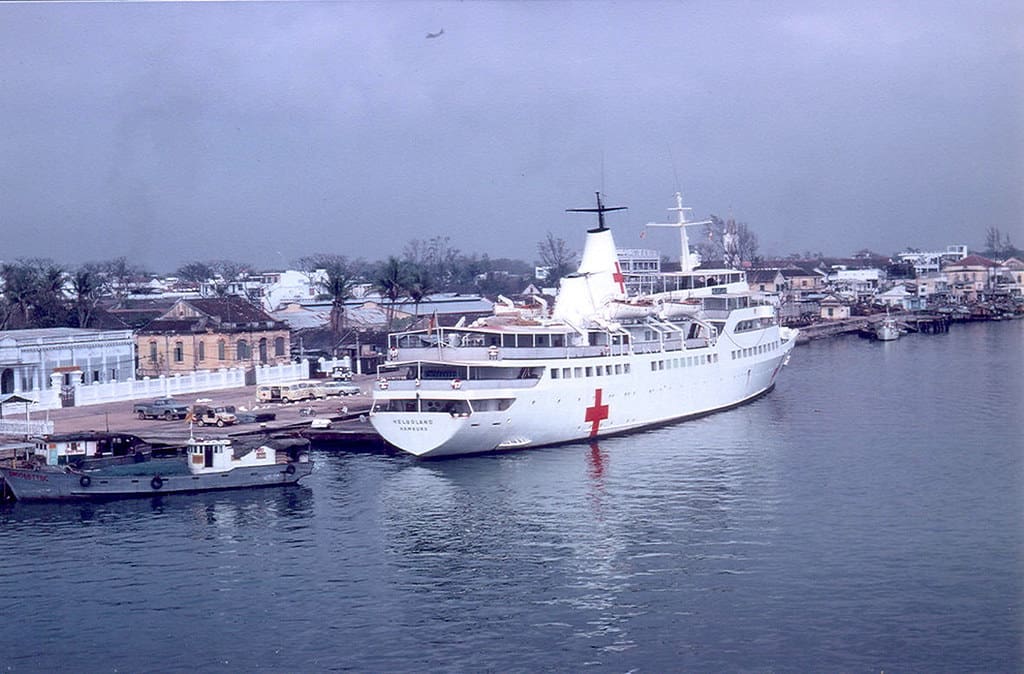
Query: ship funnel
x,y
598,280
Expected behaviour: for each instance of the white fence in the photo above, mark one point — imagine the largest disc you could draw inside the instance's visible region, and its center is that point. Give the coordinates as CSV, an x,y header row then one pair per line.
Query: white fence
x,y
154,387
201,380
177,384
25,427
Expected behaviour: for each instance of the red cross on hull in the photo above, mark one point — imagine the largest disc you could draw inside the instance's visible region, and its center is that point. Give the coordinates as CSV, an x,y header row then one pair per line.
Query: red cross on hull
x,y
596,414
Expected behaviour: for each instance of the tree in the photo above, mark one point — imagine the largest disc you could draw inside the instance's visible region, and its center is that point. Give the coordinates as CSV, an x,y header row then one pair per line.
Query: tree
x,y
998,245
88,283
195,272
557,257
121,274
19,287
34,293
419,285
727,240
390,282
334,276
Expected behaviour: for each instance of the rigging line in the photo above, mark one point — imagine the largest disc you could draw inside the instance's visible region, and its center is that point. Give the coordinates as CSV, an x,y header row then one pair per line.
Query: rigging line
x,y
675,173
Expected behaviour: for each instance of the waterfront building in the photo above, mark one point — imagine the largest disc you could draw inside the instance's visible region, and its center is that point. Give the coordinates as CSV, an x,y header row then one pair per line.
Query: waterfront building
x,y
903,297
36,360
925,263
833,308
973,278
766,280
803,280
211,333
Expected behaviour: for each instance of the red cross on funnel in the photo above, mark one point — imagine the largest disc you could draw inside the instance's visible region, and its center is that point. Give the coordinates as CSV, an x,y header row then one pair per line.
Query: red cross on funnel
x,y
596,414
619,278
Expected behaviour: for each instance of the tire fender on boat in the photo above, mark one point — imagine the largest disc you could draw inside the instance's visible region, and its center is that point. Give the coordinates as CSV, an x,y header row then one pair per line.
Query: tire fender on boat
x,y
157,482
85,480
290,469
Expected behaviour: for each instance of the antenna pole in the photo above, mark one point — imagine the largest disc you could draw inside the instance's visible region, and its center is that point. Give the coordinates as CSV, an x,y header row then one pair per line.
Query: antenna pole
x,y
600,210
682,223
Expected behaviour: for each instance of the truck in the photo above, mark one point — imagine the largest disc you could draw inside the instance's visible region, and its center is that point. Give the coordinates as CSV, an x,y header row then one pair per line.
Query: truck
x,y
161,408
214,416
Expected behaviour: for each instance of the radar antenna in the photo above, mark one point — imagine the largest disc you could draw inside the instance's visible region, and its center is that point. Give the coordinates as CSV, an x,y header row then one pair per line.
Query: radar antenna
x,y
600,210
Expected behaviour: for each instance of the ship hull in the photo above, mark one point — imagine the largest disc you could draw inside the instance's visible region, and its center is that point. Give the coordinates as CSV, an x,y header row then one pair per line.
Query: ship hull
x,y
660,388
53,485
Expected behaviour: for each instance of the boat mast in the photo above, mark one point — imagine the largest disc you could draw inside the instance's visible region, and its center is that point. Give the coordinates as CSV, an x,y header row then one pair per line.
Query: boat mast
x,y
600,210
682,224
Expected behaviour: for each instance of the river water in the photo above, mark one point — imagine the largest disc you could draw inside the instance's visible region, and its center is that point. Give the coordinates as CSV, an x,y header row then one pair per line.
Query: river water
x,y
864,516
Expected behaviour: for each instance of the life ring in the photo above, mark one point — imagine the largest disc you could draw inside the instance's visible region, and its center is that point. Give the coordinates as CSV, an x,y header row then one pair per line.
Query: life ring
x,y
157,482
85,480
290,469
456,384
382,384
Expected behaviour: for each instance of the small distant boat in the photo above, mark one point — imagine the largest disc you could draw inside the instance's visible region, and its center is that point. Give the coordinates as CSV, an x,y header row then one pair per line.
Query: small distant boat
x,y
888,330
209,465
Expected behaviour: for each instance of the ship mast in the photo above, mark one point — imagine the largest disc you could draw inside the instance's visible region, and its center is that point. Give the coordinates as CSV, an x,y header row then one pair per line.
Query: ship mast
x,y
682,223
600,210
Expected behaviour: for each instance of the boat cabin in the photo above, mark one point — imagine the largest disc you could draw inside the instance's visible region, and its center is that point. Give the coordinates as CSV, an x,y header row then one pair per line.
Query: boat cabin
x,y
69,449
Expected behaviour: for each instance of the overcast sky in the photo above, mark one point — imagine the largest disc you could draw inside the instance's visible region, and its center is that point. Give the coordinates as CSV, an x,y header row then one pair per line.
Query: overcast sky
x,y
261,132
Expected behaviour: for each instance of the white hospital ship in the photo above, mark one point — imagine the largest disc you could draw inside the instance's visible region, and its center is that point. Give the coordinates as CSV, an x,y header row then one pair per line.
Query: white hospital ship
x,y
600,362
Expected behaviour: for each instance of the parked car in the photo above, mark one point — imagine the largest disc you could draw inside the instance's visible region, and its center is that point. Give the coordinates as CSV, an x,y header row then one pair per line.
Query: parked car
x,y
214,416
341,372
339,388
161,408
285,393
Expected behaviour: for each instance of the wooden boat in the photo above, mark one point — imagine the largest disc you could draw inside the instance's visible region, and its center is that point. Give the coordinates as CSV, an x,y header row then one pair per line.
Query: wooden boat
x,y
209,465
87,450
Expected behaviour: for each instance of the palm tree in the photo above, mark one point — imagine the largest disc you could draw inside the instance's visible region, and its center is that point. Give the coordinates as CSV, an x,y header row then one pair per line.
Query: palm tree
x,y
391,284
337,283
420,284
19,290
87,284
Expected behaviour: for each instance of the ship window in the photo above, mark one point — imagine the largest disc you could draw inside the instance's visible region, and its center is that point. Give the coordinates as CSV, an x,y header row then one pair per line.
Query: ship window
x,y
557,340
590,372
618,369
508,340
577,372
654,366
555,373
626,367
491,404
542,340
566,373
598,370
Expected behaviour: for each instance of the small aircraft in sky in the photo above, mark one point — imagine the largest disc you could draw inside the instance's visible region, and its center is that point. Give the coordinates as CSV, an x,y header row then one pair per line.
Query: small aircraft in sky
x,y
437,34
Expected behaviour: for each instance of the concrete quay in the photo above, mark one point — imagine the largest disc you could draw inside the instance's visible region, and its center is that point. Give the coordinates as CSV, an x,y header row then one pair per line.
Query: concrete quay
x,y
290,418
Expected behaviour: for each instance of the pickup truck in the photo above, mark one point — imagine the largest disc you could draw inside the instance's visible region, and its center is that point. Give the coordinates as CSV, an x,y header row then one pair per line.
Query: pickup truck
x,y
162,408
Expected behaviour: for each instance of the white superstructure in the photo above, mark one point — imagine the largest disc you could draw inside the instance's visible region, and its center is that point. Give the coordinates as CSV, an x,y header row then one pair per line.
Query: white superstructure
x,y
600,363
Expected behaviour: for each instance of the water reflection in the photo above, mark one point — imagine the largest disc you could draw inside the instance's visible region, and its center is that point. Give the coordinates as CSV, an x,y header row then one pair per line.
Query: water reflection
x,y
240,508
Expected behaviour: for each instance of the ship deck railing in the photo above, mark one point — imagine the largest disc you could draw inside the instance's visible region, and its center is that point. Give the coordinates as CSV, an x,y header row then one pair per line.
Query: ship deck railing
x,y
464,354
426,385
